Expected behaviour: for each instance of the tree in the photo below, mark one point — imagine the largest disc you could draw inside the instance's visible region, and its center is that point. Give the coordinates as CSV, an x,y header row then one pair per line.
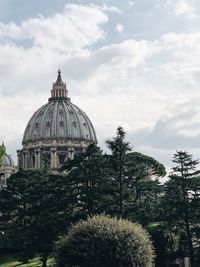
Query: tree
x,y
179,210
144,187
123,183
134,178
118,166
102,241
194,196
87,182
34,209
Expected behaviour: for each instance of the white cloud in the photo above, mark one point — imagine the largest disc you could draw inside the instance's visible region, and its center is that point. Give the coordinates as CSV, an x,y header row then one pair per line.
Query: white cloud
x,y
141,85
181,7
131,3
63,32
52,41
119,28
105,7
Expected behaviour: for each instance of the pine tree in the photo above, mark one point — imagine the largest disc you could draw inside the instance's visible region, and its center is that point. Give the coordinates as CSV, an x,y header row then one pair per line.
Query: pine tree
x,y
119,167
178,202
87,182
134,180
34,209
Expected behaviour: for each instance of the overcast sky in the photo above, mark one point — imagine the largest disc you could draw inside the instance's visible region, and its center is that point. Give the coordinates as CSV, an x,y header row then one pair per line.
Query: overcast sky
x,y
129,63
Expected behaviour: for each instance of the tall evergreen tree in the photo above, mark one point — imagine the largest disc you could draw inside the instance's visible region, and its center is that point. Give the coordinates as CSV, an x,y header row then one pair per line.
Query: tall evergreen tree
x,y
178,202
134,178
194,195
118,166
87,181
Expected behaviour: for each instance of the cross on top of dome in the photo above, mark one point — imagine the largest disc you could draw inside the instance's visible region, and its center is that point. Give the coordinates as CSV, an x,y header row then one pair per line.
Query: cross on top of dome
x,y
59,80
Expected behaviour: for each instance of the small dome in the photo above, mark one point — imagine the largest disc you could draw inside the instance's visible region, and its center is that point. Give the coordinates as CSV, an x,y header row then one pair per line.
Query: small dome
x,y
7,159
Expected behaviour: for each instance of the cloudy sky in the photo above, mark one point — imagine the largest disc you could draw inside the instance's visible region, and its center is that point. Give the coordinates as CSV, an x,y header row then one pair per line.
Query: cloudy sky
x,y
130,63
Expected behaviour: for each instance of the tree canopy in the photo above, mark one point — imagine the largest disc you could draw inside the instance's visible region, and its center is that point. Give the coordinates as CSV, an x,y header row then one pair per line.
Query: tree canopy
x,y
37,205
34,207
181,201
134,178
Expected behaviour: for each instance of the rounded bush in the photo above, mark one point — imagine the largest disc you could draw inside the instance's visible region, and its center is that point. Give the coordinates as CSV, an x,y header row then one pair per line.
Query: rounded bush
x,y
101,241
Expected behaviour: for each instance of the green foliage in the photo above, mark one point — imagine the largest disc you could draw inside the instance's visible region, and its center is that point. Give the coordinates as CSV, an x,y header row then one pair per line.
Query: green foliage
x,y
145,166
87,181
37,205
134,178
117,164
144,187
34,210
123,183
102,241
181,209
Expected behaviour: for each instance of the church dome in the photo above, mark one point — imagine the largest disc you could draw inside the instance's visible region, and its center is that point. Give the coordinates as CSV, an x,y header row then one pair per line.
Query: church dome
x,y
56,132
59,119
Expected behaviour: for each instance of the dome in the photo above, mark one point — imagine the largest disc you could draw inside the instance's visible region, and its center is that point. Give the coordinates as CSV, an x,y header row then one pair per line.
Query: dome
x,y
59,118
56,132
7,159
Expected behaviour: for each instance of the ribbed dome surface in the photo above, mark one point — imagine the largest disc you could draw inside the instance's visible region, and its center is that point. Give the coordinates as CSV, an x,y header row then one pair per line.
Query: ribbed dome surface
x,y
59,118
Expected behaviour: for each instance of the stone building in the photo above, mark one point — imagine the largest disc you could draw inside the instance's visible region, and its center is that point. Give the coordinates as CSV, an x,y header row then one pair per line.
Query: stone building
x,y
7,168
56,131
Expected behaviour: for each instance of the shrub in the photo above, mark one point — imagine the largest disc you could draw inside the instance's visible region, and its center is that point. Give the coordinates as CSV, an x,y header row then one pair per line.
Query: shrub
x,y
101,241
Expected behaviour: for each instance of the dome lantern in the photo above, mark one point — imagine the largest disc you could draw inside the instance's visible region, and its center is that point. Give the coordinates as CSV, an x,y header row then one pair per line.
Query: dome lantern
x,y
59,89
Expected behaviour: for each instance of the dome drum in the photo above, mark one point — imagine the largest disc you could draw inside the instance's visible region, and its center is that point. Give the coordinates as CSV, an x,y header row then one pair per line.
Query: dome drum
x,y
56,131
34,157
